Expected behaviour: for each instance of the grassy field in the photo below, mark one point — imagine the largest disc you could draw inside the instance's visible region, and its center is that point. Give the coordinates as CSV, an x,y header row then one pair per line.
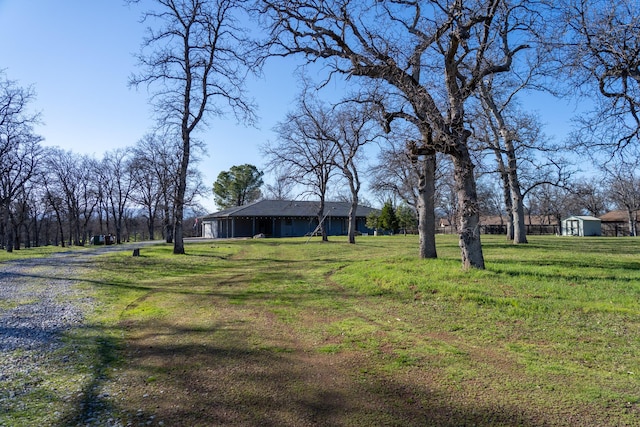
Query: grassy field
x,y
282,333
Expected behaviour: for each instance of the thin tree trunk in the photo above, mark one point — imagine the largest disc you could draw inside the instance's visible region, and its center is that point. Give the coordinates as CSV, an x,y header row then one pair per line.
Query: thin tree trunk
x,y
166,222
150,223
519,229
61,231
506,195
517,203
36,230
632,223
352,218
321,218
16,234
8,229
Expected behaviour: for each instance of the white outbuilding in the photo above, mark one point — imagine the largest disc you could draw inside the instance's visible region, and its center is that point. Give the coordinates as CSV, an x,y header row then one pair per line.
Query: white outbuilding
x,y
581,226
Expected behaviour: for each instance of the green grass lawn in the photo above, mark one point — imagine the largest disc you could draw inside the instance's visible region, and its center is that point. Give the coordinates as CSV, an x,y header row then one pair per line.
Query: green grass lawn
x,y
280,332
37,252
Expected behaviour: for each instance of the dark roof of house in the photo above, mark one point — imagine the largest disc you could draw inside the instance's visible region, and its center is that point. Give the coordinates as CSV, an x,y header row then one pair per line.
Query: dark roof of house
x,y
615,216
289,208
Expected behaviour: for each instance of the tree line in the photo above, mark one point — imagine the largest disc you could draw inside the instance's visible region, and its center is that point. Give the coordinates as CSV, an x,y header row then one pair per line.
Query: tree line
x,y
50,196
450,78
441,85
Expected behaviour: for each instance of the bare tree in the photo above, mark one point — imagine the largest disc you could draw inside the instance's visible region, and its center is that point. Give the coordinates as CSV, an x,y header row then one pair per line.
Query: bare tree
x,y
409,172
198,62
432,55
73,178
591,196
155,171
354,128
20,150
147,188
394,174
282,186
447,194
602,52
509,133
117,184
549,201
304,151
623,182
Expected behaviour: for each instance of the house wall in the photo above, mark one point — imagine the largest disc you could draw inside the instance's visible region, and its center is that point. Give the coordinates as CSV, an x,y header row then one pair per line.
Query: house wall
x,y
616,228
276,227
591,228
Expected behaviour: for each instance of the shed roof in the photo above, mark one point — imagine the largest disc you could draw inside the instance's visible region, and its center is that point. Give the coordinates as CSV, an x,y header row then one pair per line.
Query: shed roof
x,y
289,208
584,218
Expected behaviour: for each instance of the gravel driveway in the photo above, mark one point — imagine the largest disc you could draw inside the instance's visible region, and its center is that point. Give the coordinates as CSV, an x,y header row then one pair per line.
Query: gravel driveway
x,y
40,300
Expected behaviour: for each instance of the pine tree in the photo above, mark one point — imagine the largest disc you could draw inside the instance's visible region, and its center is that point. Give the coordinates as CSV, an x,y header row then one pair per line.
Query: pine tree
x,y
388,220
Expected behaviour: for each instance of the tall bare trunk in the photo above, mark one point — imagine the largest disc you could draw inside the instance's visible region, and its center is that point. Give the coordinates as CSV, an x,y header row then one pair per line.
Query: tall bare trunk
x,y
178,231
166,222
150,223
632,223
469,219
321,218
519,229
426,207
506,195
517,203
8,229
352,218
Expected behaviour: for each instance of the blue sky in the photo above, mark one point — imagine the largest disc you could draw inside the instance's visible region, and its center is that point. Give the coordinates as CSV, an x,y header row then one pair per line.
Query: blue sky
x,y
78,55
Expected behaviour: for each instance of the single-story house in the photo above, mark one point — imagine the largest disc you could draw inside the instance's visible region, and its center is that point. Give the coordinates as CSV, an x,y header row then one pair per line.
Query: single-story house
x,y
283,218
616,223
579,225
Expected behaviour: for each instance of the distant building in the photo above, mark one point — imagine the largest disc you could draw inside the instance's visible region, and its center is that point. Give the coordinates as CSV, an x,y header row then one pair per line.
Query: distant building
x,y
534,224
283,218
496,224
616,223
581,225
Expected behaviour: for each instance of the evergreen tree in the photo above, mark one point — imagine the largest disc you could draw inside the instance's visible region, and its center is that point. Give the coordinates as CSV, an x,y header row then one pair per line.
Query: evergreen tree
x,y
388,220
373,220
406,217
238,186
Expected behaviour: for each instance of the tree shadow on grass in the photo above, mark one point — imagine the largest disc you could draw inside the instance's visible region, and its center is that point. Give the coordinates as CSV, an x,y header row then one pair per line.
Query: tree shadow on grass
x,y
90,403
230,374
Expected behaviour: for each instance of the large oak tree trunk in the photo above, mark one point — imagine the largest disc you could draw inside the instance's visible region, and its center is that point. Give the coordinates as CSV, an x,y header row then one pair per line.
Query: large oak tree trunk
x,y
426,207
469,219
